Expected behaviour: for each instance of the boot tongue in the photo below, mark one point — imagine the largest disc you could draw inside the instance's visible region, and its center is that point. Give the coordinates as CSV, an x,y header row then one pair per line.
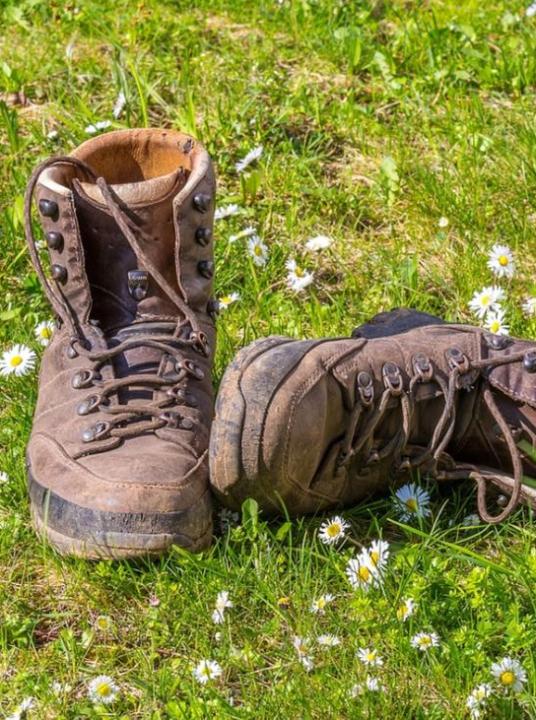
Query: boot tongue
x,y
122,289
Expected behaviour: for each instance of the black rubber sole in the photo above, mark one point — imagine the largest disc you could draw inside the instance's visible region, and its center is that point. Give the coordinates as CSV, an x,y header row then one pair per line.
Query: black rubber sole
x,y
84,532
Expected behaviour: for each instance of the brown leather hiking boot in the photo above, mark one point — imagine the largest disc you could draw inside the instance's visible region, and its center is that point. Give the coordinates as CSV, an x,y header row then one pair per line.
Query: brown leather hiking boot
x,y
117,459
317,424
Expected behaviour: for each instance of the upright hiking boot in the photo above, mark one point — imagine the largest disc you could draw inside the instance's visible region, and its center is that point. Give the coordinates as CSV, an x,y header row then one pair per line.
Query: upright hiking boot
x,y
316,424
118,455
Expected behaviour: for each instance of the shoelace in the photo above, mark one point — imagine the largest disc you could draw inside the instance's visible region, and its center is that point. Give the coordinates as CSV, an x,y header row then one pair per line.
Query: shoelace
x,y
372,412
186,334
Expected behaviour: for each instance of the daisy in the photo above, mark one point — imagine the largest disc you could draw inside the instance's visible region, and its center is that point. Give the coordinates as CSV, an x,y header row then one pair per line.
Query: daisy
x,y
371,683
333,530
529,306
251,156
424,641
22,710
154,600
476,701
487,299
228,519
470,520
226,300
378,553
495,323
222,603
226,211
297,278
361,572
102,689
412,501
328,640
319,242
246,232
103,623
531,10
43,332
4,477
258,250
98,127
119,105
369,657
509,674
307,662
60,688
405,609
18,360
318,607
501,261
207,670
443,222
301,645
53,135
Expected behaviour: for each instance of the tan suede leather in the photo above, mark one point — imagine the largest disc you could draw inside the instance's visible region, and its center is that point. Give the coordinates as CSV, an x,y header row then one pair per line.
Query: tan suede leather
x,y
317,424
118,452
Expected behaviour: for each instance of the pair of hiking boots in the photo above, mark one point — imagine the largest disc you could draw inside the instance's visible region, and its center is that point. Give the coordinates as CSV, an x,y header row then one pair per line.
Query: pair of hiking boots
x,y
119,456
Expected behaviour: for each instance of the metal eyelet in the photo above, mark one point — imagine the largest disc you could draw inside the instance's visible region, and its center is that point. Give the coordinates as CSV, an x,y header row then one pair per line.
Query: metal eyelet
x,y
199,341
365,388
456,359
206,268
203,235
95,432
49,208
191,368
174,420
373,458
529,361
88,405
84,379
497,342
392,378
201,202
422,367
180,394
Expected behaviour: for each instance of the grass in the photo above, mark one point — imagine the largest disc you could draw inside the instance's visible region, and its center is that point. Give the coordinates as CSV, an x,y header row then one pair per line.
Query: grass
x,y
377,119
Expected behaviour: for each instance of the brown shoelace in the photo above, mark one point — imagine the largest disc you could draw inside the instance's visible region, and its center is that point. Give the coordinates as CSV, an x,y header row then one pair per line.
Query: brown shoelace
x,y
369,412
124,420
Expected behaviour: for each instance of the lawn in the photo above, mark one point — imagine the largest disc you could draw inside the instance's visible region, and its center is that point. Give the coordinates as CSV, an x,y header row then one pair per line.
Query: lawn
x,y
406,133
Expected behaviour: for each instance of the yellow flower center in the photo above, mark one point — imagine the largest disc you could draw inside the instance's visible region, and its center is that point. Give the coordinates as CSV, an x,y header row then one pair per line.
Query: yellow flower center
x,y
412,505
257,250
402,610
371,656
104,690
46,333
425,641
485,300
503,260
375,557
333,530
321,604
16,360
495,326
364,573
299,272
283,601
507,677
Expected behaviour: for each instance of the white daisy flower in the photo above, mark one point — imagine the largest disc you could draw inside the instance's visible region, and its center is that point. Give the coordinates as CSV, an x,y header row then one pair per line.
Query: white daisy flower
x,y
443,222
119,105
495,323
333,530
509,674
406,609
226,300
529,307
301,645
486,300
318,242
258,251
369,657
362,573
307,662
93,129
102,689
424,641
318,606
226,211
4,477
103,623
222,603
378,553
470,520
246,232
372,684
251,156
228,519
53,135
412,501
328,640
207,670
477,700
43,331
531,10
298,278
501,261
21,712
19,360
60,688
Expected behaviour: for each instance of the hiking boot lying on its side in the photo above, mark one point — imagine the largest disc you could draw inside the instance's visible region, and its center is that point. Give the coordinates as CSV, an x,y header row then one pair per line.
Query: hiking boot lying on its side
x,y
317,424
